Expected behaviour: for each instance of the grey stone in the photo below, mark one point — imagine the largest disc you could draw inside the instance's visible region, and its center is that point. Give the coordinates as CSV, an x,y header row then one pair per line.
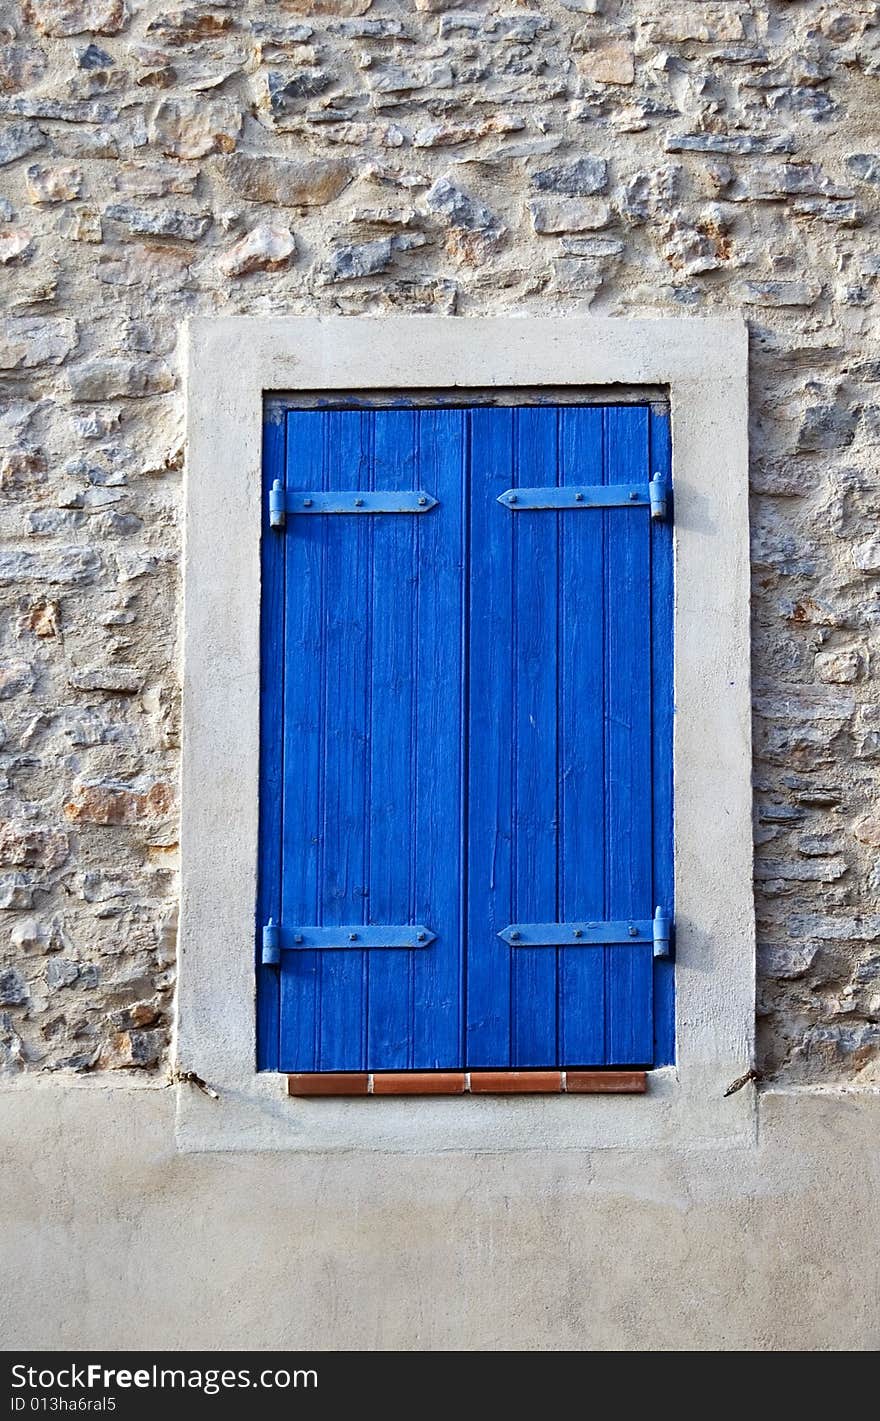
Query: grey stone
x,y
271,31
60,972
16,891
13,988
12,1053
170,222
764,144
118,680
93,57
285,90
800,871
581,179
114,378
16,678
60,110
787,963
569,214
17,140
61,565
827,427
865,167
26,342
362,259
780,293
371,29
460,209
830,927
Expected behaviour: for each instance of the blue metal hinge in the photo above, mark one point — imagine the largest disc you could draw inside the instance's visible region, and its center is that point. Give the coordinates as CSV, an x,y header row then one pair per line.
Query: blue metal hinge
x,y
355,937
626,932
653,495
657,492
662,934
283,501
271,944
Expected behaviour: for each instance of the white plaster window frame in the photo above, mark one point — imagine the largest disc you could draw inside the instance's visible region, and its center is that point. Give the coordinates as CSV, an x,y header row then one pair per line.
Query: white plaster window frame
x,y
233,363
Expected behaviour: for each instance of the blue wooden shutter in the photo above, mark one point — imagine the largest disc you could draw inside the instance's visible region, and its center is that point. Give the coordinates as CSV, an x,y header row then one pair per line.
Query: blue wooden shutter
x,y
466,725
570,736
369,662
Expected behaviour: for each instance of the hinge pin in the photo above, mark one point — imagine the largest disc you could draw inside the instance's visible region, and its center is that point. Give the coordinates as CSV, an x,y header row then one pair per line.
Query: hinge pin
x,y
271,955
657,495
662,933
277,513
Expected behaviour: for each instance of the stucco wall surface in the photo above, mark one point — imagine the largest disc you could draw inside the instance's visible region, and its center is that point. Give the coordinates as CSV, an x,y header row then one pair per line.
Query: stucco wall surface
x,y
138,1246
612,157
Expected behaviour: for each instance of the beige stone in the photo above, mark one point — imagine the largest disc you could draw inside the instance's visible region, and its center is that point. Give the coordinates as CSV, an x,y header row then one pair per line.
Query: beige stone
x,y
288,182
108,804
608,63
338,9
867,830
20,65
26,843
75,17
265,248
13,244
838,667
83,224
57,184
190,128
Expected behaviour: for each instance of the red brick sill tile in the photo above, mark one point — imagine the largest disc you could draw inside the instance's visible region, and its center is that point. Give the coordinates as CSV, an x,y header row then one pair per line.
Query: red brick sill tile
x,y
390,1083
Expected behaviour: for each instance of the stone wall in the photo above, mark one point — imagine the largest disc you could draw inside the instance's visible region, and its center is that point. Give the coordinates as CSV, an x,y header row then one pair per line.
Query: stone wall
x,y
616,156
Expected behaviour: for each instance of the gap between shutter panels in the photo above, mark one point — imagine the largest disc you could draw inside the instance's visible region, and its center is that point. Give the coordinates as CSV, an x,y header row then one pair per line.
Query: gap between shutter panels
x,y
557,669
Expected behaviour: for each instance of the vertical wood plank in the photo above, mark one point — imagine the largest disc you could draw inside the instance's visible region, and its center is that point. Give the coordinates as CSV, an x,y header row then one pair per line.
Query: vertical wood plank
x,y
304,722
533,692
629,981
662,721
271,743
347,630
582,741
392,742
490,740
439,769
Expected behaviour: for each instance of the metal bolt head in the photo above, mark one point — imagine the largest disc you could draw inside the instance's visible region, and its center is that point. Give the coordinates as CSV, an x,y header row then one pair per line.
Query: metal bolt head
x,y
297,937
633,930
359,503
633,495
307,503
578,932
422,499
511,498
352,937
420,937
515,937
578,498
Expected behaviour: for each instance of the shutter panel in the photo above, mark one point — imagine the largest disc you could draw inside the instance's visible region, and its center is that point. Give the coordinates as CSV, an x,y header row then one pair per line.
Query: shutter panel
x,y
371,801
569,767
467,732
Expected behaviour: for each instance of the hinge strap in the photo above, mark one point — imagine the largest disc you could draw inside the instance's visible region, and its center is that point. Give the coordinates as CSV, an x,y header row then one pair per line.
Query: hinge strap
x,y
357,937
653,495
627,932
284,501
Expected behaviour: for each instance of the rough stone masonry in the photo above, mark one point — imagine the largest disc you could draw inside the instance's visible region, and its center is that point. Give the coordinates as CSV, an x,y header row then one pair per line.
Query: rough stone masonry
x,y
612,156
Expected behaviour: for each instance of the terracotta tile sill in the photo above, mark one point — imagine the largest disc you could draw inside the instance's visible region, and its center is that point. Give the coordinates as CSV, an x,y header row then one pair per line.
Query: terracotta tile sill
x,y
390,1083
